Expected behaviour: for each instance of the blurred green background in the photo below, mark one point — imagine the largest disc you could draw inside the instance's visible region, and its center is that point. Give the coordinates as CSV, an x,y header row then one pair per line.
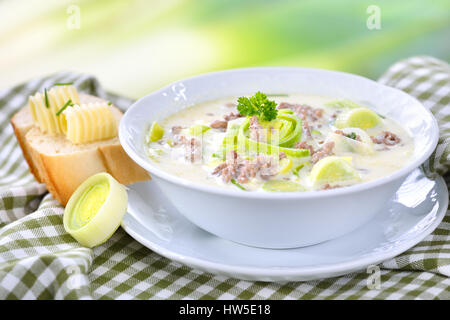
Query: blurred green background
x,y
137,46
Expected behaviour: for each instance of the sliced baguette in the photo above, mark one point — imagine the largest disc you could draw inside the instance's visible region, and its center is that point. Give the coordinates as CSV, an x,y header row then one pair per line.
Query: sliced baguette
x,y
63,166
22,122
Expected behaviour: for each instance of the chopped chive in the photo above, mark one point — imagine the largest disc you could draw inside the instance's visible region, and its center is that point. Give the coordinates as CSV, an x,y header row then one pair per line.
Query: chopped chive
x,y
46,98
218,155
299,167
109,103
63,84
237,184
381,116
64,107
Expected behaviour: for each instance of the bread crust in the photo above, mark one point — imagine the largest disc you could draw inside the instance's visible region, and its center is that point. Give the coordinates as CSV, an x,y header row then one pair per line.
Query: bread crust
x,y
121,166
20,130
64,172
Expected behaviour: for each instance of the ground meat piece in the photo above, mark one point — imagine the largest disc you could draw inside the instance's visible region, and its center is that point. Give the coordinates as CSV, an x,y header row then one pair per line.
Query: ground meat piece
x,y
219,124
193,150
327,186
230,105
386,137
176,129
222,124
228,169
242,178
232,116
303,111
242,170
266,175
266,167
285,105
178,140
282,155
256,132
227,174
247,170
307,112
318,113
231,170
306,128
325,151
219,168
232,156
305,145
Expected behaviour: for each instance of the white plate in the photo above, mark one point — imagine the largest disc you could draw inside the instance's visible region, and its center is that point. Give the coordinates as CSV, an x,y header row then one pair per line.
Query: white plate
x,y
411,214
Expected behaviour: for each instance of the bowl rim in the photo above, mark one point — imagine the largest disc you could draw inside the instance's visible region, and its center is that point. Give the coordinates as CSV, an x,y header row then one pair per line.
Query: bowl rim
x,y
153,170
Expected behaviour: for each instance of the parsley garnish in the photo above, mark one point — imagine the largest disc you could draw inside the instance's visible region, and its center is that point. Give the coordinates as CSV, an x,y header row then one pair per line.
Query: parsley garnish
x,y
259,106
109,103
46,99
69,102
63,84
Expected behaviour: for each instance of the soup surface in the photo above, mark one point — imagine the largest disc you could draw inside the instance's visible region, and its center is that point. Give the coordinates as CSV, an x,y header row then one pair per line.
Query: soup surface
x,y
284,143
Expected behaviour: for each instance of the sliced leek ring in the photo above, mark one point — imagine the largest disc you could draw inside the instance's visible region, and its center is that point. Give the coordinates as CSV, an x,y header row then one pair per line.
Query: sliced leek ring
x,y
332,170
363,118
198,129
344,144
95,210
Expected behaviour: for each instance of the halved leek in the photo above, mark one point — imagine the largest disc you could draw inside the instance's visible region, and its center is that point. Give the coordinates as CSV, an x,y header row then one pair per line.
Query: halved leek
x,y
95,210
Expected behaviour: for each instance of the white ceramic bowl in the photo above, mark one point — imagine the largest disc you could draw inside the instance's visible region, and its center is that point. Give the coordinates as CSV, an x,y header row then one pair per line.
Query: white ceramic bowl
x,y
278,220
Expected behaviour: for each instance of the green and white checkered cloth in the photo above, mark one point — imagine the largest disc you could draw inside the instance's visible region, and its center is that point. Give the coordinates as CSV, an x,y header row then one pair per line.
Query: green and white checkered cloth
x,y
39,260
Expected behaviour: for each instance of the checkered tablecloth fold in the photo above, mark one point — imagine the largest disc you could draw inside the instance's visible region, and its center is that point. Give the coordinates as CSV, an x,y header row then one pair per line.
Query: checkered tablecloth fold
x,y
39,260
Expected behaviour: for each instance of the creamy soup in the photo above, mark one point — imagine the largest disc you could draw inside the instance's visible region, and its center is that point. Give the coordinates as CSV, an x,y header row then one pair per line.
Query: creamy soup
x,y
284,143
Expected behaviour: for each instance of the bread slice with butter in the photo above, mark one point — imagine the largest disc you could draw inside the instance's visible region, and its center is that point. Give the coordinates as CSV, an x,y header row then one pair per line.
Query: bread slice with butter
x,y
63,165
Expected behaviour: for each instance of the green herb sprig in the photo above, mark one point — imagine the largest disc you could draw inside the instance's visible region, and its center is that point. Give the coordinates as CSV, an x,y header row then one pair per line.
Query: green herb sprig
x,y
352,135
68,103
237,184
259,106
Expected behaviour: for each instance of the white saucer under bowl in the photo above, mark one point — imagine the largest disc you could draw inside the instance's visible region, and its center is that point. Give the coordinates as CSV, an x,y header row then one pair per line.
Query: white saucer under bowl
x,y
410,215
